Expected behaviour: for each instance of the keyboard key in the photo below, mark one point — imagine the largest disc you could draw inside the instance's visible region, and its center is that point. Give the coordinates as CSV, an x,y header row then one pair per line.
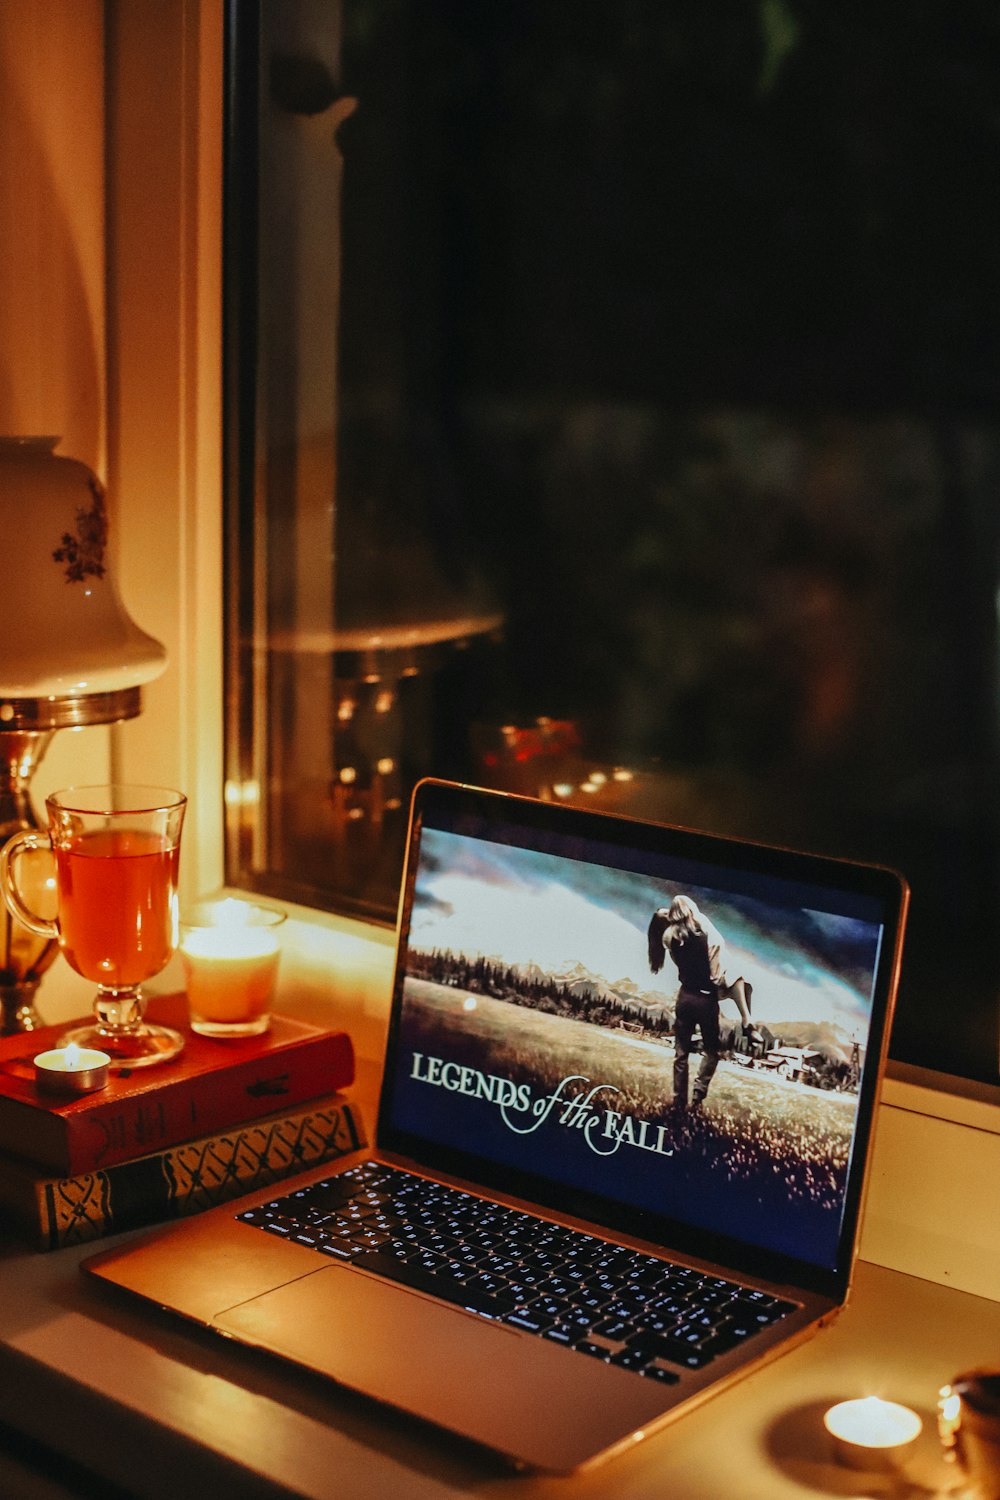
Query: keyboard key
x,y
338,1249
629,1359
528,1319
614,1328
276,1226
593,1299
370,1239
502,1265
489,1284
587,1346
560,1334
551,1307
776,1311
519,1290
558,1286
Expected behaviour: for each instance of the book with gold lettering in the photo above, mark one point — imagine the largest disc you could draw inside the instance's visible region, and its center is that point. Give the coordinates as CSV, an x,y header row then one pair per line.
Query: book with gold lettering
x,y
212,1086
56,1211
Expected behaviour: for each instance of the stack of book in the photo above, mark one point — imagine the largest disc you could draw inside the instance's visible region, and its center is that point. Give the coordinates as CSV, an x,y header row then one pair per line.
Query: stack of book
x,y
224,1118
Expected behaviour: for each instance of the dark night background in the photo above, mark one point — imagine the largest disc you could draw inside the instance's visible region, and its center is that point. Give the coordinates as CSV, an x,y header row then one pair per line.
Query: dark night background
x,y
670,329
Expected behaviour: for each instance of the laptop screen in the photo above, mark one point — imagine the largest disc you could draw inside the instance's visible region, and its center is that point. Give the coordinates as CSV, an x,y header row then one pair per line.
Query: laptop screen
x,y
651,1028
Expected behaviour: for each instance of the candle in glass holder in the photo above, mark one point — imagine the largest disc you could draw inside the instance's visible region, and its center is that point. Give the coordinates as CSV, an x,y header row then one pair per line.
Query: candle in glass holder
x,y
230,951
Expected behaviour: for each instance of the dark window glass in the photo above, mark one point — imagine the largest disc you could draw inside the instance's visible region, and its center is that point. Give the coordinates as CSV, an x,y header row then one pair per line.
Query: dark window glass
x,y
612,416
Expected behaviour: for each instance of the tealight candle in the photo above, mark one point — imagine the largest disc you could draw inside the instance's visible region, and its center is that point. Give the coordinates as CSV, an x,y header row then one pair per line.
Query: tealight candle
x,y
72,1070
870,1433
230,954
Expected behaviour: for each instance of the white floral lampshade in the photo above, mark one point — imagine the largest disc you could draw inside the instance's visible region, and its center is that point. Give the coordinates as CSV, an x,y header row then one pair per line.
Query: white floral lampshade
x,y
66,633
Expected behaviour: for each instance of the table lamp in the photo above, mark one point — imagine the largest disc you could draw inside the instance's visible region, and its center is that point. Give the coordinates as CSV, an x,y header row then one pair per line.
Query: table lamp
x,y
70,656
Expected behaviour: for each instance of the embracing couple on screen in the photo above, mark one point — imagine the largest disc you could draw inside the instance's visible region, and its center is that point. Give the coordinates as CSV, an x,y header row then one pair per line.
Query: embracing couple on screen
x,y
698,951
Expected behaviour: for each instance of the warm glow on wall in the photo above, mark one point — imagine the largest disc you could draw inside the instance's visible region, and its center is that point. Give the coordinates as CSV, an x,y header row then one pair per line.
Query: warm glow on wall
x,y
52,271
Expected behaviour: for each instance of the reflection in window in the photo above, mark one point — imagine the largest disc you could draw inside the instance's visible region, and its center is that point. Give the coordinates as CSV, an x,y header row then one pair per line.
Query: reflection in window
x,y
613,419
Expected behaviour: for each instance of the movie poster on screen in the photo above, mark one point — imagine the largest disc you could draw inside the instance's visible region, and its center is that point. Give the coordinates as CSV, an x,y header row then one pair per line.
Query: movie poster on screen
x,y
537,1032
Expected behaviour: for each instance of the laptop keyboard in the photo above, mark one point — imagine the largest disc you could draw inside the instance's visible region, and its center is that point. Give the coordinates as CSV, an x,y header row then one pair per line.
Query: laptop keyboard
x,y
615,1304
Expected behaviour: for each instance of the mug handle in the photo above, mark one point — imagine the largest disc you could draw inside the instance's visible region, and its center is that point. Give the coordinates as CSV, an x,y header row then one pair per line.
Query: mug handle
x,y
29,838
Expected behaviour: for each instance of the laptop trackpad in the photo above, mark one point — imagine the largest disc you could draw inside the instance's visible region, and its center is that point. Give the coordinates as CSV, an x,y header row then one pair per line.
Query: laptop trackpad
x,y
432,1361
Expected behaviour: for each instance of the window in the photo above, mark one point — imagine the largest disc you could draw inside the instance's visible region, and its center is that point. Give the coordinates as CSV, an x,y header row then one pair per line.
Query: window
x,y
612,416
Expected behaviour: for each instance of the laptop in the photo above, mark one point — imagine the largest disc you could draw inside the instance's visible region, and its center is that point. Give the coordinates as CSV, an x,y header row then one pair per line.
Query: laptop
x,y
593,1177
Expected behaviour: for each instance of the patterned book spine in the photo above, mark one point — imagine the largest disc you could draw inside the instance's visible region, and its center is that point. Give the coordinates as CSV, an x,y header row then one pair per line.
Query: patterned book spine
x,y
188,1178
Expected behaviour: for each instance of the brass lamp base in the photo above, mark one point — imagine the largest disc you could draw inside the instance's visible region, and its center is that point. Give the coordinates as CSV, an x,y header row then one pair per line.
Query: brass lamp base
x,y
35,715
17,1008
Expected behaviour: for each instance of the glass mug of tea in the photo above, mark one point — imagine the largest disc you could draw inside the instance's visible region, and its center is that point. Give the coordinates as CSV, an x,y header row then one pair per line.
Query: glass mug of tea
x,y
117,853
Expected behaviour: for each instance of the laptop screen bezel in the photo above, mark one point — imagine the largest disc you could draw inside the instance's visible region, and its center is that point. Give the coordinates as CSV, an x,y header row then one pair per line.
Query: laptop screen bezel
x,y
439,803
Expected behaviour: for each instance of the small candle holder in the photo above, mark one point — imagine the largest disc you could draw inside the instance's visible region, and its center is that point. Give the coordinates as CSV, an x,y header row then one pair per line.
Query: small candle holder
x,y
72,1070
872,1434
230,952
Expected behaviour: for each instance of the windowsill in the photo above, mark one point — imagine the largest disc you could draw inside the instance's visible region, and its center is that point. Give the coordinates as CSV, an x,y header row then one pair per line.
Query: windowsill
x,y
943,1095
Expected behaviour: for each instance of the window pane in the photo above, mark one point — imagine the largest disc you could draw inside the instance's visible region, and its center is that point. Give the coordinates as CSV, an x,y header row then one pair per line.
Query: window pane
x,y
612,418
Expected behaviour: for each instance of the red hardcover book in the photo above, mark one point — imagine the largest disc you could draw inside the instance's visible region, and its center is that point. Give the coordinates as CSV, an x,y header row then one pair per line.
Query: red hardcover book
x,y
210,1086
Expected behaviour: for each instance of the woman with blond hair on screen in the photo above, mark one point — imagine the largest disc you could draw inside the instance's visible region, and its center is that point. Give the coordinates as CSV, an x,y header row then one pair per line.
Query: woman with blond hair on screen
x,y
698,951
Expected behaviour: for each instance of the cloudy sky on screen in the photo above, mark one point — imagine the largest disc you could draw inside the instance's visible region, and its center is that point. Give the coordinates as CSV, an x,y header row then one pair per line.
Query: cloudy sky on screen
x,y
476,897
